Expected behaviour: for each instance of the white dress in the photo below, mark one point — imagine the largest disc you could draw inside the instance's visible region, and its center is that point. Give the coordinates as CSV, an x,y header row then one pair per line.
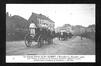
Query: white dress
x,y
32,28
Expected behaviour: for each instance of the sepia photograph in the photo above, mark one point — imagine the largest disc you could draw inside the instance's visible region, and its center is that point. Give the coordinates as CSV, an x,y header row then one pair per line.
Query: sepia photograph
x,y
50,29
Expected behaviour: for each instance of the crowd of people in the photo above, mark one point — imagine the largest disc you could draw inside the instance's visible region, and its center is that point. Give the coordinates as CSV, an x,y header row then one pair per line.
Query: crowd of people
x,y
88,35
46,33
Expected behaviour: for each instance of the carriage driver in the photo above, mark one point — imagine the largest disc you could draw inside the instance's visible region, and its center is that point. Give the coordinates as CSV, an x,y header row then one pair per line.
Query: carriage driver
x,y
32,27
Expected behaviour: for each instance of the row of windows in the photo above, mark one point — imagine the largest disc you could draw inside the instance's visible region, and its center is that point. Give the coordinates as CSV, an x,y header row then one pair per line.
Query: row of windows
x,y
46,22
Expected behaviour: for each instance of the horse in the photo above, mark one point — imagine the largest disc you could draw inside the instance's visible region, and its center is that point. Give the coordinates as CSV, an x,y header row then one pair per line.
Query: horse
x,y
42,36
62,35
84,35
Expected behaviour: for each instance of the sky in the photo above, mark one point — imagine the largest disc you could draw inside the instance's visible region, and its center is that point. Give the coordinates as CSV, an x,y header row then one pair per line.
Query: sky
x,y
74,14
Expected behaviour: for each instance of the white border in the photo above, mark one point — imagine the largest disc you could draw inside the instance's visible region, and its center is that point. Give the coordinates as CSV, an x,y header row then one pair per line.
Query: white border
x,y
64,58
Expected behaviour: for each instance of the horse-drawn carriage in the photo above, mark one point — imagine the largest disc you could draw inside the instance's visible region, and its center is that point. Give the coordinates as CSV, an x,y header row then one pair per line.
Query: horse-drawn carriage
x,y
64,34
43,35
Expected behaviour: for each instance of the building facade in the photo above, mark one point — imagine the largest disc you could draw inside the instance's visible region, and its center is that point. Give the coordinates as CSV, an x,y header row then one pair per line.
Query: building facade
x,y
41,20
65,28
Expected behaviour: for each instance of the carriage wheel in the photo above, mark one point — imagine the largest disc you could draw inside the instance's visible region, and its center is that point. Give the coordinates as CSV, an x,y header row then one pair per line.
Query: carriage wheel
x,y
28,41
